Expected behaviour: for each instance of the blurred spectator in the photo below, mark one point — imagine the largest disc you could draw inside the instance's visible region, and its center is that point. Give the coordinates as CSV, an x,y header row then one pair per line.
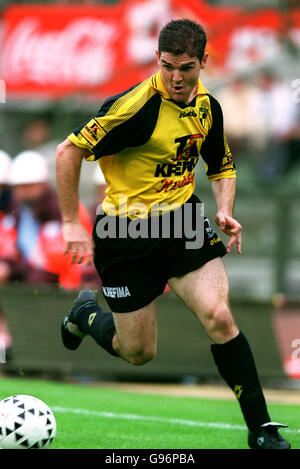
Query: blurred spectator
x,y
279,127
32,242
36,204
8,251
5,192
38,136
240,101
5,208
36,133
262,120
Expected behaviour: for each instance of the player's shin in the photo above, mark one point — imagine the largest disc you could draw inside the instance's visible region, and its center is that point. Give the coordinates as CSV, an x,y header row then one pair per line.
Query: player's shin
x,y
235,362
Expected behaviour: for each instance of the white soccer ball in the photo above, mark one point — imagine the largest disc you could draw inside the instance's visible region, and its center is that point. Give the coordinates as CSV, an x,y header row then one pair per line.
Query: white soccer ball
x,y
26,422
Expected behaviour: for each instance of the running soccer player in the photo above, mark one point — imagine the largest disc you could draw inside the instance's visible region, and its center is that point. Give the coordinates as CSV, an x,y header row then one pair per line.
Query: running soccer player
x,y
147,141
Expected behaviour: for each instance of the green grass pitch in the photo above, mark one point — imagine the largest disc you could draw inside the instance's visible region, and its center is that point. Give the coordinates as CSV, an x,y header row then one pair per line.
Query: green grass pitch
x,y
95,417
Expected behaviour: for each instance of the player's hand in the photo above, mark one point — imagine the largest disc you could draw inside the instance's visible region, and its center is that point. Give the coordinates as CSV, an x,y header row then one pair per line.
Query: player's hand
x,y
232,228
78,242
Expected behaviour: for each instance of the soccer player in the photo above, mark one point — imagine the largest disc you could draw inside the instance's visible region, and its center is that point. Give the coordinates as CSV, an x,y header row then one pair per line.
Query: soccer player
x,y
147,141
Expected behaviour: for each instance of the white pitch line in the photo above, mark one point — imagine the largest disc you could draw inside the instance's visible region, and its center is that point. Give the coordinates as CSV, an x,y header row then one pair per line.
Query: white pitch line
x,y
149,418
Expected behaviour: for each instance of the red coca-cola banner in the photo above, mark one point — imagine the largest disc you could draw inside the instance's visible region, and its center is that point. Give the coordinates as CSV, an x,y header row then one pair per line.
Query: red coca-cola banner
x,y
52,51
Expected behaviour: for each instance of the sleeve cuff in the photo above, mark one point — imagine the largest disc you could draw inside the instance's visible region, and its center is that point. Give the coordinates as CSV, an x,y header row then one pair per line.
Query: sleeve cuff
x,y
224,175
72,137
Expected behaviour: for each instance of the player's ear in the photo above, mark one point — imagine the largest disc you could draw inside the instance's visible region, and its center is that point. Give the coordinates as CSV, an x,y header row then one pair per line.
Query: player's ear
x,y
157,56
204,61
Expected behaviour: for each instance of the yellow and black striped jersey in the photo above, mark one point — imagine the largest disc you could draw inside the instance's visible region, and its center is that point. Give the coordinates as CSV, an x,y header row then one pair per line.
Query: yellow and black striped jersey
x,y
147,146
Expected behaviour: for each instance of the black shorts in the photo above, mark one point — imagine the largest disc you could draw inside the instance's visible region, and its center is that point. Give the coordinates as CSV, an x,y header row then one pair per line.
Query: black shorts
x,y
134,271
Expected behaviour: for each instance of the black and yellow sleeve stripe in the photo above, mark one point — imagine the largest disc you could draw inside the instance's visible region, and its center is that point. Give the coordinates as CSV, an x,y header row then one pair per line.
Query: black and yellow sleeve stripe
x,y
125,120
215,150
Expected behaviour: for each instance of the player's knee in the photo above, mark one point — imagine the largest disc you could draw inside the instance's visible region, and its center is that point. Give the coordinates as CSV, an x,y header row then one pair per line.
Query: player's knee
x,y
220,322
142,356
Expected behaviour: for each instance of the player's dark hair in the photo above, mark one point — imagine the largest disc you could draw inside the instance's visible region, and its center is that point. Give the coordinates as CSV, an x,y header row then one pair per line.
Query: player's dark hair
x,y
182,36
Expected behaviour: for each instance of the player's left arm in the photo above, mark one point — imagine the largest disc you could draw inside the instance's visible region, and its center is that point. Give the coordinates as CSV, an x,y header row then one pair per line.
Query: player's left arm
x,y
221,171
224,191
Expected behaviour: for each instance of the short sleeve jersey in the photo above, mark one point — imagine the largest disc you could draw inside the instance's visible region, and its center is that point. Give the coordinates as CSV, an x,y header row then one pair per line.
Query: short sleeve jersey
x,y
147,146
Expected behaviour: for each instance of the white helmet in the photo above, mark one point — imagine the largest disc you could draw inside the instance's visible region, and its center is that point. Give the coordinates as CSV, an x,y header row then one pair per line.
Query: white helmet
x,y
5,164
98,178
29,167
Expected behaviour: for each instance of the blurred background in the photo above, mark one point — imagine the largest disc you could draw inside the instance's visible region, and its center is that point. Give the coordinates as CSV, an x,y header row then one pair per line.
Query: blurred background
x,y
59,60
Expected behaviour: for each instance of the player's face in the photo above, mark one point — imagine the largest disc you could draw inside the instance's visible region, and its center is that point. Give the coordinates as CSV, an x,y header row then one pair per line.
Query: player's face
x,y
180,74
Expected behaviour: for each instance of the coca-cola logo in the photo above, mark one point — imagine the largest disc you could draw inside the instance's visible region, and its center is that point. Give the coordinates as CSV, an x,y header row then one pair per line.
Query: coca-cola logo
x,y
82,53
55,50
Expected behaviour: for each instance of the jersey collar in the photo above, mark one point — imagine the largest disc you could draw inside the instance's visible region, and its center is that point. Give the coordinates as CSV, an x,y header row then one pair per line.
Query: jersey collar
x,y
157,84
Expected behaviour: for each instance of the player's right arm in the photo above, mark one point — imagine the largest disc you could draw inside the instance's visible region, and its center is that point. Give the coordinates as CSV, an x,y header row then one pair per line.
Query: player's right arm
x,y
124,120
68,166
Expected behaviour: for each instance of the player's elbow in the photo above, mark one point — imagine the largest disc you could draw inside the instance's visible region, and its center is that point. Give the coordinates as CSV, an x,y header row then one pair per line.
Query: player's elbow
x,y
62,148
68,153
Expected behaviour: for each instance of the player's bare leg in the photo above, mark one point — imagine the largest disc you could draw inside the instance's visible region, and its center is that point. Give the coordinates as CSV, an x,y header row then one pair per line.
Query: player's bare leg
x,y
205,292
136,334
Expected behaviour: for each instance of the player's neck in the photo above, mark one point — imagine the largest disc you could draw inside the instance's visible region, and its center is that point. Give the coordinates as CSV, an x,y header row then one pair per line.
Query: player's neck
x,y
192,95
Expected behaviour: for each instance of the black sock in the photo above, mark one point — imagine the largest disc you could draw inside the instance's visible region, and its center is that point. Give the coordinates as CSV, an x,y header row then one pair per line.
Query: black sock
x,y
99,325
236,365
